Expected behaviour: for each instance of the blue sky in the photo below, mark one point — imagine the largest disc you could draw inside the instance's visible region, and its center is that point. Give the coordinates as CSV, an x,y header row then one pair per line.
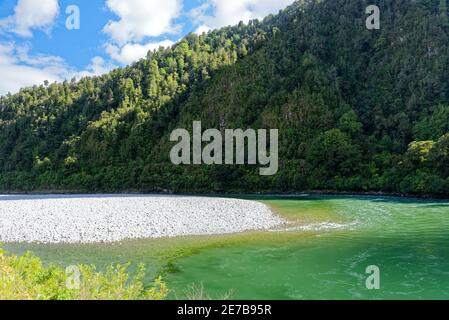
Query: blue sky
x,y
35,44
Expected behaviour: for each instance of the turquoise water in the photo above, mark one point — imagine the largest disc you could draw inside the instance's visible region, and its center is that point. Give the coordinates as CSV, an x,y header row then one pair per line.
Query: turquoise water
x,y
322,254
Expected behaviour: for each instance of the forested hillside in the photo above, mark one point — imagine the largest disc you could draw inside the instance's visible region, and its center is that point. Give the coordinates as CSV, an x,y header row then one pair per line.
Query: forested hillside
x,y
356,109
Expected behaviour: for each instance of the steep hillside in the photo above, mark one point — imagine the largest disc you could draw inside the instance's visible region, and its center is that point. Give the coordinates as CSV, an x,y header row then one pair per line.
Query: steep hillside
x,y
356,109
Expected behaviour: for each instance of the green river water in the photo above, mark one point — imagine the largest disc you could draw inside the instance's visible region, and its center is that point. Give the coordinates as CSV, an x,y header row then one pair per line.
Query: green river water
x,y
322,254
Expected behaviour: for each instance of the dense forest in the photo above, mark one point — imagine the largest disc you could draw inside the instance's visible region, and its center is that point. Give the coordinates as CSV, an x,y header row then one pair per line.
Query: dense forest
x,y
356,109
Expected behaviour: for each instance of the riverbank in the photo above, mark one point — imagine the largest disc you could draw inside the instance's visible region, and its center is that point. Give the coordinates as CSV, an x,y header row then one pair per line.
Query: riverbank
x,y
112,218
233,194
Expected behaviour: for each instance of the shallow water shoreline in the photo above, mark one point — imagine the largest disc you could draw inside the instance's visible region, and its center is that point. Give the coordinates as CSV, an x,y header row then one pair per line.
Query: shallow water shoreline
x,y
231,194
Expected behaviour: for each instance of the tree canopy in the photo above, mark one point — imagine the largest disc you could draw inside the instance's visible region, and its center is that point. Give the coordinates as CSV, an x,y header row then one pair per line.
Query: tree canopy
x,y
356,109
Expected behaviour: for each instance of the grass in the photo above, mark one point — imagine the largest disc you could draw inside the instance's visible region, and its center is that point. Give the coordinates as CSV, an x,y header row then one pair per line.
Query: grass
x,y
197,292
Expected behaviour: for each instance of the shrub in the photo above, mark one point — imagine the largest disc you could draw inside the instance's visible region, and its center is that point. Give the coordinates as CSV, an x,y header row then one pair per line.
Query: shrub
x,y
25,278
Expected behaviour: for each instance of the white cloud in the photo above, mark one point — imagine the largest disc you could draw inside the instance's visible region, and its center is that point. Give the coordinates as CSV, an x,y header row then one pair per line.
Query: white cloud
x,y
202,29
31,14
132,52
218,13
97,67
142,18
19,69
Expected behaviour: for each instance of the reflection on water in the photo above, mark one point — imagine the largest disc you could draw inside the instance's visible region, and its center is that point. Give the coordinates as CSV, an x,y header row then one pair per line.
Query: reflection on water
x,y
323,254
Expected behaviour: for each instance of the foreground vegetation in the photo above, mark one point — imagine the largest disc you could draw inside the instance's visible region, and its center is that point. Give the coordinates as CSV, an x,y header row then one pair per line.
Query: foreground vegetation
x,y
356,109
25,278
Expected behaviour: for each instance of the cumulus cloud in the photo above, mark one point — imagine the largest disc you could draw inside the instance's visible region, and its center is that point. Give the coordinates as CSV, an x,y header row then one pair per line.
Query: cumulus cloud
x,y
19,69
142,18
132,52
97,67
202,29
31,14
218,13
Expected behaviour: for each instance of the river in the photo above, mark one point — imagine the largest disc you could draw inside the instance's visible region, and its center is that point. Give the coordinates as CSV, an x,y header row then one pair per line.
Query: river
x,y
322,254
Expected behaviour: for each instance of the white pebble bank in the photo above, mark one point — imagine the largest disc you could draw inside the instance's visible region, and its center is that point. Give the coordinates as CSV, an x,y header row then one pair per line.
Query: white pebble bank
x,y
103,218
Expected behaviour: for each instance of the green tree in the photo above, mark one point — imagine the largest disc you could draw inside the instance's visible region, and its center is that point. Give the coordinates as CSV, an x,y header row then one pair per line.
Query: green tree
x,y
444,13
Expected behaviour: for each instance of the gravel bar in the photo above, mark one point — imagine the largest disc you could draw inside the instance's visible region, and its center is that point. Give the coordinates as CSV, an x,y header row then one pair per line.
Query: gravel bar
x,y
111,218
